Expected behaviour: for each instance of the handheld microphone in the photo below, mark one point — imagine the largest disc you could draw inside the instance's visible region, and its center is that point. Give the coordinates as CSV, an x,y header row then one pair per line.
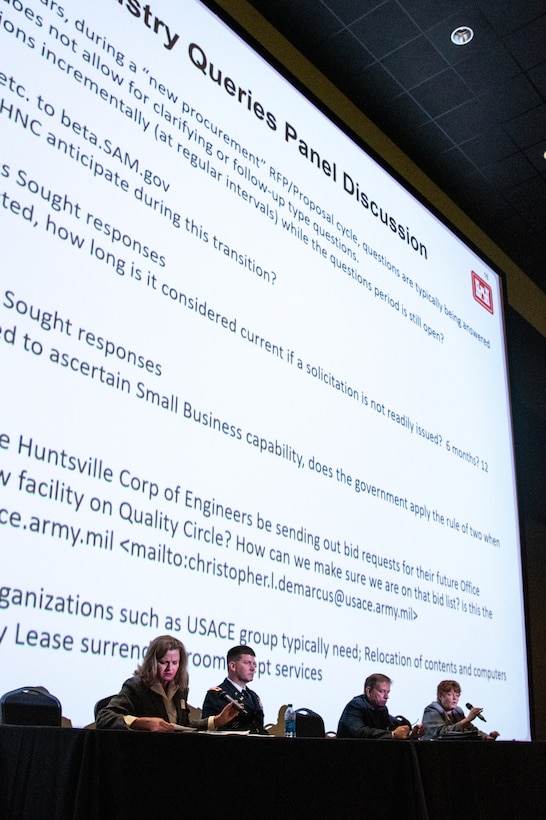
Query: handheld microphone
x,y
236,703
481,717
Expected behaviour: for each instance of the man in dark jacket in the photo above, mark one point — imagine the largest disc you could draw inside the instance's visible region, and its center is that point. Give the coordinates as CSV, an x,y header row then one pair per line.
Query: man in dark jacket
x,y
367,715
241,666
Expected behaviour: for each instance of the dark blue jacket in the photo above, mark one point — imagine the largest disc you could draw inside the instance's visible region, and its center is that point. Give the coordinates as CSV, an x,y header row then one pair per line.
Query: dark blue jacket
x,y
252,721
361,718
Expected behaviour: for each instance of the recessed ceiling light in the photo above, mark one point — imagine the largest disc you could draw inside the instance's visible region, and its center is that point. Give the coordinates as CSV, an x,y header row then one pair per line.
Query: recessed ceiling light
x,y
462,35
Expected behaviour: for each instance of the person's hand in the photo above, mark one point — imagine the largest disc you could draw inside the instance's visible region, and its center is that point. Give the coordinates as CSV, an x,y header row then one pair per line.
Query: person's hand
x,y
417,731
226,715
151,724
401,732
493,735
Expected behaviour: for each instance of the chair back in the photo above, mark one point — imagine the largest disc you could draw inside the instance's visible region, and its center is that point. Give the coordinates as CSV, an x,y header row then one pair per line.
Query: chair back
x,y
30,706
309,724
100,704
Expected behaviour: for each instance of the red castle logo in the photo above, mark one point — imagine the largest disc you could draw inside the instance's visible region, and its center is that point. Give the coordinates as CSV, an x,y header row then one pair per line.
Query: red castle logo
x,y
482,292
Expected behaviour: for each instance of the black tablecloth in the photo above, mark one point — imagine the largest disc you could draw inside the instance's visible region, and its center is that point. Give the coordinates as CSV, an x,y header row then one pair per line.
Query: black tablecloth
x,y
86,774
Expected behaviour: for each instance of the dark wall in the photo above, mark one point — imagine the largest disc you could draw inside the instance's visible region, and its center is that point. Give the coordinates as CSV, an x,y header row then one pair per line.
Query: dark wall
x,y
527,361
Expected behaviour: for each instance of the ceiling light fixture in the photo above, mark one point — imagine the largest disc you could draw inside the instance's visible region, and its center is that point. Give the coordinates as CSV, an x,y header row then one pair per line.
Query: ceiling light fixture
x,y
462,35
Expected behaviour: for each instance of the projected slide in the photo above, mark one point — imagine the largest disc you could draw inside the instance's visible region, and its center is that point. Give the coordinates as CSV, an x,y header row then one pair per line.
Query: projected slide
x,y
252,390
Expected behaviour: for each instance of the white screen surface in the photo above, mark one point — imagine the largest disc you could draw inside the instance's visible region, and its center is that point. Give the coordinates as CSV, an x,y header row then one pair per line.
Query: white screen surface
x,y
254,392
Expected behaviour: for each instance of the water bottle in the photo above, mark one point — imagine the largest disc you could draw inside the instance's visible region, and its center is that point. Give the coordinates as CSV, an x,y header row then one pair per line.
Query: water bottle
x,y
290,721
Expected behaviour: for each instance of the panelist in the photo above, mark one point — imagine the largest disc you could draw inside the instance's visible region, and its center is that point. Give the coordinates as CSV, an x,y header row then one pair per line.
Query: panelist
x,y
241,666
155,699
367,716
444,718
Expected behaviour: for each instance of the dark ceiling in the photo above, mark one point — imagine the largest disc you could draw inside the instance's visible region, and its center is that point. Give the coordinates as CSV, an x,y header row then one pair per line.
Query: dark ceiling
x,y
472,117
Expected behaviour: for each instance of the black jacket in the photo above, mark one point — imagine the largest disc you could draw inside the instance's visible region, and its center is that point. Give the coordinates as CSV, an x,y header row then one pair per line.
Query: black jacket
x,y
252,721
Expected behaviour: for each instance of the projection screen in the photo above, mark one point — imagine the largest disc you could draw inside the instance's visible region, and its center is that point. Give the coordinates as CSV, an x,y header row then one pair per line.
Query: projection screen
x,y
253,390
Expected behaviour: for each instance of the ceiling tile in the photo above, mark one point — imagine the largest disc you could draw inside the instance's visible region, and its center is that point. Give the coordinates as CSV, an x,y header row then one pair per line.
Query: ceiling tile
x,y
537,76
406,111
505,172
537,217
514,97
442,93
528,195
507,15
342,58
452,162
427,139
527,44
529,128
486,68
514,228
484,203
467,121
350,10
489,147
428,14
376,80
536,154
415,62
385,29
